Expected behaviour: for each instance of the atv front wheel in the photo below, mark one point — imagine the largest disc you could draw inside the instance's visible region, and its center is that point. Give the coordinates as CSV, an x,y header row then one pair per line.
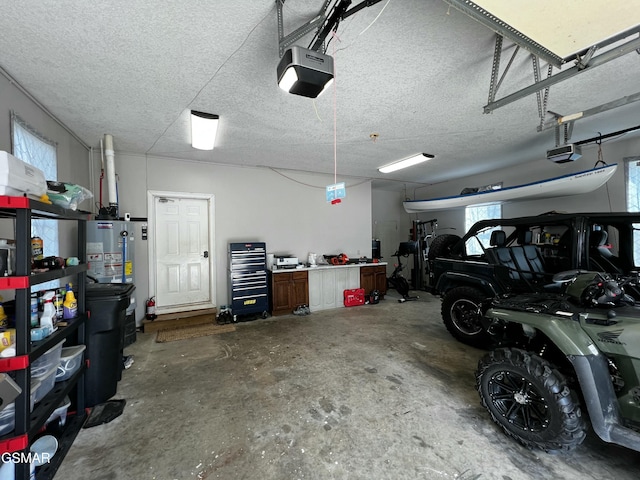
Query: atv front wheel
x,y
462,314
529,398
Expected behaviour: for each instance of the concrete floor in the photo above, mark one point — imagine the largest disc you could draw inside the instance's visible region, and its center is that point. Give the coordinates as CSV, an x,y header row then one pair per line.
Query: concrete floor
x,y
371,392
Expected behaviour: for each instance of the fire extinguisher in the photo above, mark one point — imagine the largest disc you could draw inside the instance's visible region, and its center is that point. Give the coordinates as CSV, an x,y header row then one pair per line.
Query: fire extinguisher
x,y
151,309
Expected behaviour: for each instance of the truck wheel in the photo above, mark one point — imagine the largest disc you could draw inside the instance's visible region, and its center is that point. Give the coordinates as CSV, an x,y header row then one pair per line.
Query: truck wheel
x,y
462,315
529,398
441,246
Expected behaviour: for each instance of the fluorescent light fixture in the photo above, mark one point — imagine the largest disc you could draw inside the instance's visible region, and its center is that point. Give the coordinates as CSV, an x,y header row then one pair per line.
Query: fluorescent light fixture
x,y
407,162
304,72
204,127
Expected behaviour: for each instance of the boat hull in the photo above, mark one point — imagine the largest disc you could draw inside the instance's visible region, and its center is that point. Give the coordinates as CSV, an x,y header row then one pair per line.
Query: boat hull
x,y
572,184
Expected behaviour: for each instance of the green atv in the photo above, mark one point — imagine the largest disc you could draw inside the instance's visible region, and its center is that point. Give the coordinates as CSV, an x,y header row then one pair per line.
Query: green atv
x,y
564,357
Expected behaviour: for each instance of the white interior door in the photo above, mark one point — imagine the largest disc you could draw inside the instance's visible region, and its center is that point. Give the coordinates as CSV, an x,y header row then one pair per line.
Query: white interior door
x,y
181,267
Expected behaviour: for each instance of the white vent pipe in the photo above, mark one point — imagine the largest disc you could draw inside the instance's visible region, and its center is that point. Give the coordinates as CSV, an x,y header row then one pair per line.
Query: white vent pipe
x,y
111,170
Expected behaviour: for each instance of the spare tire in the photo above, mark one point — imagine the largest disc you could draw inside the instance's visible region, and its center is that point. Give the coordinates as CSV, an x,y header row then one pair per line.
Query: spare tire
x,y
441,246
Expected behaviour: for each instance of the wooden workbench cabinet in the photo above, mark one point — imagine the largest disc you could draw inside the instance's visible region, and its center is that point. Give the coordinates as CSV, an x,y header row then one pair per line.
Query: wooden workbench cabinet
x,y
289,289
373,277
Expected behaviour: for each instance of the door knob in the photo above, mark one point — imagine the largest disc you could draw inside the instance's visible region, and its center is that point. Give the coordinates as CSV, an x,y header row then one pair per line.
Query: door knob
x,y
206,254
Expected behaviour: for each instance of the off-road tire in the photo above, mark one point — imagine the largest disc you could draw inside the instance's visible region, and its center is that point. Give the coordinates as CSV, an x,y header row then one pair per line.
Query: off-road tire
x,y
462,313
530,399
441,246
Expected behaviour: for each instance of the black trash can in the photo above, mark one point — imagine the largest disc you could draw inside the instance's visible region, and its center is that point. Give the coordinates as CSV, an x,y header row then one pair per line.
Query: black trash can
x,y
107,305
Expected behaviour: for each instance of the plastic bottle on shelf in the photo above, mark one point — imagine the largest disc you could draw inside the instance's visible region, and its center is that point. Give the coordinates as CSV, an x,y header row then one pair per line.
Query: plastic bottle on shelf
x,y
34,310
57,303
70,305
48,316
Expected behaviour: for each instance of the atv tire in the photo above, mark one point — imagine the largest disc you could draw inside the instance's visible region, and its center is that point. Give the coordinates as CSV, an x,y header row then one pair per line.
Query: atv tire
x,y
441,246
462,313
529,398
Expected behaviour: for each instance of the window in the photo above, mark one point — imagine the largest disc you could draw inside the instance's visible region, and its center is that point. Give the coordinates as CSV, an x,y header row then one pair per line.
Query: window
x,y
474,214
632,167
34,149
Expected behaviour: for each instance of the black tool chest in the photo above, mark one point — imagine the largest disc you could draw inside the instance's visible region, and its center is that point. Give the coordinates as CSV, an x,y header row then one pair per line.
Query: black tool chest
x,y
248,288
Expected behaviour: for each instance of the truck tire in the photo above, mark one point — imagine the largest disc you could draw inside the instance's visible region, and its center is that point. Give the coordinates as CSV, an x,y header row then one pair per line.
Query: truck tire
x,y
441,246
530,399
462,314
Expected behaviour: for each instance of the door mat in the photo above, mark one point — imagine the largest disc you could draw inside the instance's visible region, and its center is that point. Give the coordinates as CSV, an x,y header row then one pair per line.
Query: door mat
x,y
105,412
192,331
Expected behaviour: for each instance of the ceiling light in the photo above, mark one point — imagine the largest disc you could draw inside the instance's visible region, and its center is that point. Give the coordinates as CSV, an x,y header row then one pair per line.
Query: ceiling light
x,y
407,162
204,127
304,72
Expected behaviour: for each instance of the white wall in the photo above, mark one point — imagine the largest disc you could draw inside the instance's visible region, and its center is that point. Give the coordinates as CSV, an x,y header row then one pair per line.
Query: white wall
x,y
608,198
73,157
391,224
251,204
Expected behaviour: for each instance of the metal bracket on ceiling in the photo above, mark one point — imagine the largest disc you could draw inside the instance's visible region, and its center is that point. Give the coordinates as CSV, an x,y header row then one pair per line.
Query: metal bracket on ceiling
x,y
542,98
595,61
298,33
494,84
323,22
566,130
564,120
582,61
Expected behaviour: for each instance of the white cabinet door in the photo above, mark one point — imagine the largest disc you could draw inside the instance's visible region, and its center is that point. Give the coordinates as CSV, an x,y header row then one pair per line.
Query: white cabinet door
x,y
353,277
329,288
341,286
315,290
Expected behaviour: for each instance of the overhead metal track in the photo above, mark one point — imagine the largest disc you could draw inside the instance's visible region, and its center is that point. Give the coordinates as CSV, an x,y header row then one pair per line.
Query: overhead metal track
x,y
566,119
298,33
584,59
324,23
501,28
331,24
596,61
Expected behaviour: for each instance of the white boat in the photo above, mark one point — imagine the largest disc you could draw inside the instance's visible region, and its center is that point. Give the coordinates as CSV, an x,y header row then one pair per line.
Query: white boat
x,y
570,184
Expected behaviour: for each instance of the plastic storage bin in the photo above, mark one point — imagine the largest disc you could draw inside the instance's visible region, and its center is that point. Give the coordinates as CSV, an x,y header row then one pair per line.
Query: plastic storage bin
x,y
60,412
47,381
8,415
46,362
70,361
8,419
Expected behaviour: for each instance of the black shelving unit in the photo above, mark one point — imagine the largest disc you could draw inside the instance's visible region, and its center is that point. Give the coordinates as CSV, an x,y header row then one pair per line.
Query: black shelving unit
x,y
29,424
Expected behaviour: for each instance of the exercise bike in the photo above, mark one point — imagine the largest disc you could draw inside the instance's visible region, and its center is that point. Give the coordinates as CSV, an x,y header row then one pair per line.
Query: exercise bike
x,y
396,280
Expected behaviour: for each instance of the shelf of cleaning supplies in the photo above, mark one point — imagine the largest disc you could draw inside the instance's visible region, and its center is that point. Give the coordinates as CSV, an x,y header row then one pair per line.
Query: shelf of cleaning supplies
x,y
22,210
15,282
42,346
62,333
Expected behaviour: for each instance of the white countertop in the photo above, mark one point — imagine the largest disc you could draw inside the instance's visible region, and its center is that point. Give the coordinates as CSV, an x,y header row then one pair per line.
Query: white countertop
x,y
324,267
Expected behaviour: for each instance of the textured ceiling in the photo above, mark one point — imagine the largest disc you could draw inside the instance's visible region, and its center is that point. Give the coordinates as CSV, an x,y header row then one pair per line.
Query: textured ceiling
x,y
414,72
